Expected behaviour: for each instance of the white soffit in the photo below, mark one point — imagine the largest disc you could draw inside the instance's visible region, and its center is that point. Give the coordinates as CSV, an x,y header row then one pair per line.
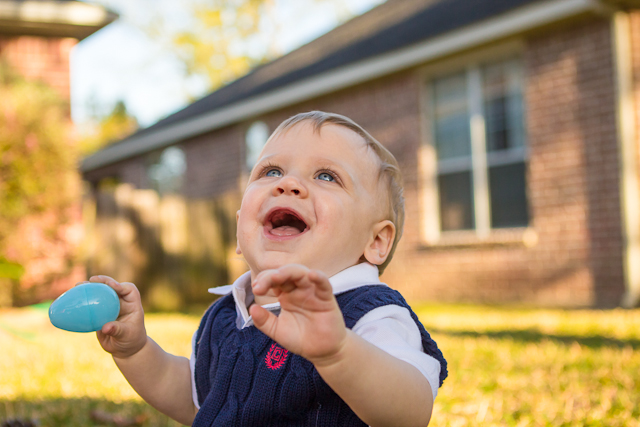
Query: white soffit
x,y
522,19
74,13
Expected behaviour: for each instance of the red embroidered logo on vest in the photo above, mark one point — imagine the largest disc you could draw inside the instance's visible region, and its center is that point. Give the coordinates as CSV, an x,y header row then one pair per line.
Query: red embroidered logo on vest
x,y
276,357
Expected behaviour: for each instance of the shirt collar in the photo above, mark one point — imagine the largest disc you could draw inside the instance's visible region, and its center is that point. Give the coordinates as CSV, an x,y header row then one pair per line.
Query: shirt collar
x,y
346,280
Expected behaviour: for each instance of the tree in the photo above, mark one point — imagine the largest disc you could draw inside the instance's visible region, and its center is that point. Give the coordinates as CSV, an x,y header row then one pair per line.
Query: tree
x,y
224,39
116,125
38,179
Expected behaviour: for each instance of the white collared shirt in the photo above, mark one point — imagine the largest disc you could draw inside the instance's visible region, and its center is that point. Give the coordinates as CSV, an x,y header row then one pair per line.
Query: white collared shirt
x,y
389,328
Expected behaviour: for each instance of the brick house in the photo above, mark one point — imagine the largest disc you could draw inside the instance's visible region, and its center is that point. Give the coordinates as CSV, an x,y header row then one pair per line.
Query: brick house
x,y
36,39
515,123
36,36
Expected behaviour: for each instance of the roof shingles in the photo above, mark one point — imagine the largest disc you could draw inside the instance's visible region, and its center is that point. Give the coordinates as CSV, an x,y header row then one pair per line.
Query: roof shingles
x,y
392,25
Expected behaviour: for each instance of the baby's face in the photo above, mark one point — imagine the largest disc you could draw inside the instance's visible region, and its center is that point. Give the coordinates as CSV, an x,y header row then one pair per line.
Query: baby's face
x,y
312,199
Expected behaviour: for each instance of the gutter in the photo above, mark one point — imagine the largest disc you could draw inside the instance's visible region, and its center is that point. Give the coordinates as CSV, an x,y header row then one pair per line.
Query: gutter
x,y
514,22
628,158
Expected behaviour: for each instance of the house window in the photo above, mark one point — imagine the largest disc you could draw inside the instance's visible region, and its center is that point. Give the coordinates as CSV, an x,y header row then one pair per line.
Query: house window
x,y
255,138
166,171
478,132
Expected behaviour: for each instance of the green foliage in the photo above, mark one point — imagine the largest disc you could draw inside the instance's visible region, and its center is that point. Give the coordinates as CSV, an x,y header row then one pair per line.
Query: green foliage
x,y
218,45
39,190
116,125
10,270
228,38
37,156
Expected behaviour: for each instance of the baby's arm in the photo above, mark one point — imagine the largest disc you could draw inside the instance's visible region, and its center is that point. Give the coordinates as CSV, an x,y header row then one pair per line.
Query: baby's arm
x,y
160,378
381,389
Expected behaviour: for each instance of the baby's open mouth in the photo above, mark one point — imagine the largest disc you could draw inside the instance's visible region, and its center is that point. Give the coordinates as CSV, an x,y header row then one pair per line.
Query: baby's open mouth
x,y
284,222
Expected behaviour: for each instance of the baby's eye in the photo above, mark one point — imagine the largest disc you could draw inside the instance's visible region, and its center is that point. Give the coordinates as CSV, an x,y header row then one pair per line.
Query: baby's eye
x,y
273,173
325,176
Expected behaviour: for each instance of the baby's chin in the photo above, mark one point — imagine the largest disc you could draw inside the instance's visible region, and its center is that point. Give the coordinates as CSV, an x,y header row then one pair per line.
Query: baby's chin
x,y
328,267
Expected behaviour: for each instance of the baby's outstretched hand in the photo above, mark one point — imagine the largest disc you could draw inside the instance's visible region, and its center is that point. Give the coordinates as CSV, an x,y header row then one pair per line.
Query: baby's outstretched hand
x,y
310,323
126,335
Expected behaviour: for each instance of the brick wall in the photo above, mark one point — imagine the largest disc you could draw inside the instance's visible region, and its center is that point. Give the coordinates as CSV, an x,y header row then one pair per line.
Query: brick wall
x,y
215,163
574,161
572,178
572,188
40,58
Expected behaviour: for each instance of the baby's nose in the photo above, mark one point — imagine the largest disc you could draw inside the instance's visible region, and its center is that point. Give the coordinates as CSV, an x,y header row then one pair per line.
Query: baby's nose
x,y
290,185
294,191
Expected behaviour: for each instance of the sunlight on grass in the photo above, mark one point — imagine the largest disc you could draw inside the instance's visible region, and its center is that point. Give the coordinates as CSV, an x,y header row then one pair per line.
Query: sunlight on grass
x,y
51,363
507,367
524,367
42,363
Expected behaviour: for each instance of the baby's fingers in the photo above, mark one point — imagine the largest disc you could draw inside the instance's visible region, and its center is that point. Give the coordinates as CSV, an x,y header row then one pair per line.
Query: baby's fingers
x,y
104,279
125,290
279,277
303,278
284,279
321,281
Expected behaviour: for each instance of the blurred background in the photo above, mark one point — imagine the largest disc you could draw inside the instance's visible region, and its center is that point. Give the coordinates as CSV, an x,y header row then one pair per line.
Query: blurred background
x,y
128,129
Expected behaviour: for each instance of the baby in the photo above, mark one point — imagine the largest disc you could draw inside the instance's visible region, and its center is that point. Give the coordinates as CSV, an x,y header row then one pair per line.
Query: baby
x,y
308,336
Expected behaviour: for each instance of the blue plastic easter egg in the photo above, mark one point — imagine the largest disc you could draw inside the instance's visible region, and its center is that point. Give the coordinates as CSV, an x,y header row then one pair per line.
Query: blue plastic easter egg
x,y
85,308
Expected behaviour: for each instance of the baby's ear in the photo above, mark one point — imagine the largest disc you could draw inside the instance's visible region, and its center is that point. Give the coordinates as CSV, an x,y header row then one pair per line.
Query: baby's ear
x,y
379,246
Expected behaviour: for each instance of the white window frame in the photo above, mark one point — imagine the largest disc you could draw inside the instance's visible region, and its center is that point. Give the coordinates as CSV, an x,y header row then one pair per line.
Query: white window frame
x,y
429,166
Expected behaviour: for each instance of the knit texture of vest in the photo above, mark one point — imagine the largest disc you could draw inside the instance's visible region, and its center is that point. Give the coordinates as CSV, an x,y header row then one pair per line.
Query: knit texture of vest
x,y
243,378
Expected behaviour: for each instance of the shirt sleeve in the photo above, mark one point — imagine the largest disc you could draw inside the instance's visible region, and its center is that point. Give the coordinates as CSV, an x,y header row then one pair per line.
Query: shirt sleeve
x,y
392,329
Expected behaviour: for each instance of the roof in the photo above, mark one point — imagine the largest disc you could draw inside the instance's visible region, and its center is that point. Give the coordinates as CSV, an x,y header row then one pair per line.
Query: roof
x,y
405,24
398,27
49,18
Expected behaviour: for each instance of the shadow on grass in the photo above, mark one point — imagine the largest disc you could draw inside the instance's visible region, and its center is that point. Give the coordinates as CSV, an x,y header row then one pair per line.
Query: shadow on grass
x,y
535,336
83,413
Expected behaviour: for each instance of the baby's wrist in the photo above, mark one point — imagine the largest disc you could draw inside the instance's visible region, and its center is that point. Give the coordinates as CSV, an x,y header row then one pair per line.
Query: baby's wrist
x,y
336,358
133,351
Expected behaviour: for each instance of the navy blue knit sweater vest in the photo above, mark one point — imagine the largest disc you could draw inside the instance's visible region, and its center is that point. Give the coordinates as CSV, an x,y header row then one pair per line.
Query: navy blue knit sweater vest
x,y
243,378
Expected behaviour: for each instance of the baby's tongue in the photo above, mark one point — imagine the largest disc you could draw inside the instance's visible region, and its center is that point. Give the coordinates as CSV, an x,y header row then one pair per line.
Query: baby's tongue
x,y
285,230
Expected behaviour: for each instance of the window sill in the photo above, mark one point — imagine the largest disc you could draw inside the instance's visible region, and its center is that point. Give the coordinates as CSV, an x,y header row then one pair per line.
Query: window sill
x,y
521,236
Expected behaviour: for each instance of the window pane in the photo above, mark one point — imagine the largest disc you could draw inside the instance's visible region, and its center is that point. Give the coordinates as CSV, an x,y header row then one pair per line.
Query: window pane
x,y
451,117
456,201
255,138
503,106
167,173
508,196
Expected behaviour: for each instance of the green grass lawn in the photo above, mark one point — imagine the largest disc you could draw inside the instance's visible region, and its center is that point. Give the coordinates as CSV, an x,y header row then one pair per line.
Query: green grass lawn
x,y
507,367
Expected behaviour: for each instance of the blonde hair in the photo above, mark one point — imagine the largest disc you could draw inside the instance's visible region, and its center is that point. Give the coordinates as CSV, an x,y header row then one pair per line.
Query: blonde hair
x,y
389,169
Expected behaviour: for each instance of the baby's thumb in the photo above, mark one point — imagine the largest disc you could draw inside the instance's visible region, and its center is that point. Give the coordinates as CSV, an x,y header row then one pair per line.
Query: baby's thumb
x,y
264,320
112,329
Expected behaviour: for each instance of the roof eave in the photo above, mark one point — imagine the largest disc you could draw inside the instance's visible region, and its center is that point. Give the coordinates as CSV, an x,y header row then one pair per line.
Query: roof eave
x,y
624,4
53,18
509,24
